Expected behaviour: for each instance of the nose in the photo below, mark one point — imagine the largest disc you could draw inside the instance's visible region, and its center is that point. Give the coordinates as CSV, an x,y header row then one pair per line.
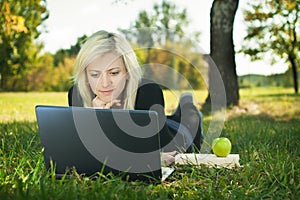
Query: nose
x,y
105,80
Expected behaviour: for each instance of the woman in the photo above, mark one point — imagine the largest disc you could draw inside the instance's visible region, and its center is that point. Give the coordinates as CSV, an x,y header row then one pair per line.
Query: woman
x,y
107,75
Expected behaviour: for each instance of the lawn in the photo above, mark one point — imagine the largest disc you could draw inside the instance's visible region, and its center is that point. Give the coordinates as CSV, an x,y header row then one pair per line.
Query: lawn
x,y
264,130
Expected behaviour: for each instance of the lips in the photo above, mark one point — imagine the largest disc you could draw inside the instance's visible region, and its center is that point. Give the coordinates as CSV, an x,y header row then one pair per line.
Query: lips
x,y
107,92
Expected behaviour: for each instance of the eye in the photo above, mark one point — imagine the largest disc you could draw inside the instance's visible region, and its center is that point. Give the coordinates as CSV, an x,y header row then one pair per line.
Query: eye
x,y
95,75
114,73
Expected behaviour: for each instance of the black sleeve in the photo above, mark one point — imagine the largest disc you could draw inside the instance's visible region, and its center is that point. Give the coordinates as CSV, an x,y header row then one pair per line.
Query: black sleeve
x,y
150,97
74,98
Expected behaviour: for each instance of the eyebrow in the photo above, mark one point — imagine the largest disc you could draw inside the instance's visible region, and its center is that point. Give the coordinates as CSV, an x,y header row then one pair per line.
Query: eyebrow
x,y
109,69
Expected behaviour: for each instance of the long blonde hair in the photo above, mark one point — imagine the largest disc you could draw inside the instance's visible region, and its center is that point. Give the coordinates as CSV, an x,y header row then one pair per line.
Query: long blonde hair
x,y
98,44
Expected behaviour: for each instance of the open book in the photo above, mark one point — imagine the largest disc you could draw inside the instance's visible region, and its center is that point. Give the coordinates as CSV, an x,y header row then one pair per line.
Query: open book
x,y
230,161
166,172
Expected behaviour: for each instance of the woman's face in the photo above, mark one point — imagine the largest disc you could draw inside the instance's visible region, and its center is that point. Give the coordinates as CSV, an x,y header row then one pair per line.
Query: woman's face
x,y
107,76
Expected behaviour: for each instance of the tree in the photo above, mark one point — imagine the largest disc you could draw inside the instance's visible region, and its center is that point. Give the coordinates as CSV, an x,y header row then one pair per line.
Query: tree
x,y
40,77
160,32
61,54
222,52
20,22
166,21
273,29
62,75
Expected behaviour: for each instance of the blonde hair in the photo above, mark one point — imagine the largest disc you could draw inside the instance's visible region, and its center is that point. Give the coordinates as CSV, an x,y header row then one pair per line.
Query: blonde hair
x,y
98,44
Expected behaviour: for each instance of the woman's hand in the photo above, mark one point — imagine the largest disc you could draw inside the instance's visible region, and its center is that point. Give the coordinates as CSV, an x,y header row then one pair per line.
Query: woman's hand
x,y
168,158
98,103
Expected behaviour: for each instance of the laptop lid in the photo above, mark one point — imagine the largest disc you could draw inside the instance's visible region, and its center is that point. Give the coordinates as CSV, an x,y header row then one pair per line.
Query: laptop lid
x,y
101,140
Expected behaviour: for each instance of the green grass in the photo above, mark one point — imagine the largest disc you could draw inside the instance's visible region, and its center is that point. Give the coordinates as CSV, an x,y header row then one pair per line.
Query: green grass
x,y
20,106
264,130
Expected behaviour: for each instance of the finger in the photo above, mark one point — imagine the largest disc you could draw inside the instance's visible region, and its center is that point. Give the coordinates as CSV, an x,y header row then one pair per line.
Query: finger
x,y
172,153
112,103
116,102
98,103
107,106
167,159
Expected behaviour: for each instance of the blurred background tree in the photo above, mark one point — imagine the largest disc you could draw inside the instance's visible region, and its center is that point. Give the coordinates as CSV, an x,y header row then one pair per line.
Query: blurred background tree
x,y
160,39
21,24
162,44
273,28
61,54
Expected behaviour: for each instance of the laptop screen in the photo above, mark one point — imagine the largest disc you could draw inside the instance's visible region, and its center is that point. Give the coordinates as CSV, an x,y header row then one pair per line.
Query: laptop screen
x,y
100,140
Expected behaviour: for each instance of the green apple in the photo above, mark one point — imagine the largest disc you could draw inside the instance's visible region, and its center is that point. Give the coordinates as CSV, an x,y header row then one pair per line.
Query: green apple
x,y
221,146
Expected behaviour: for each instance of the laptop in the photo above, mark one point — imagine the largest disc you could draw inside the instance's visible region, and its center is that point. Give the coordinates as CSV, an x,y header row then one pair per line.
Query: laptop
x,y
93,141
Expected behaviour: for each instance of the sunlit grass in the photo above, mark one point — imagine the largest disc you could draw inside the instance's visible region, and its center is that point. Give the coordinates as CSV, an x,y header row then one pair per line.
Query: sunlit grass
x,y
264,91
280,103
20,106
264,130
172,98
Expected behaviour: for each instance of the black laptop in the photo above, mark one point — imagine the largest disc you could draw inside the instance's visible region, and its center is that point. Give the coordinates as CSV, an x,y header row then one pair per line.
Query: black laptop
x,y
92,141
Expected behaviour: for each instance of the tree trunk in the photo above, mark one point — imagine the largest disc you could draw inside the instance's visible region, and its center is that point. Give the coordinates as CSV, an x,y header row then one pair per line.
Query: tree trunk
x,y
294,70
222,51
1,82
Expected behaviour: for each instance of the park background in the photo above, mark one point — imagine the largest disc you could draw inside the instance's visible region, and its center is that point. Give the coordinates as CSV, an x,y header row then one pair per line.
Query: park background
x,y
38,45
41,54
